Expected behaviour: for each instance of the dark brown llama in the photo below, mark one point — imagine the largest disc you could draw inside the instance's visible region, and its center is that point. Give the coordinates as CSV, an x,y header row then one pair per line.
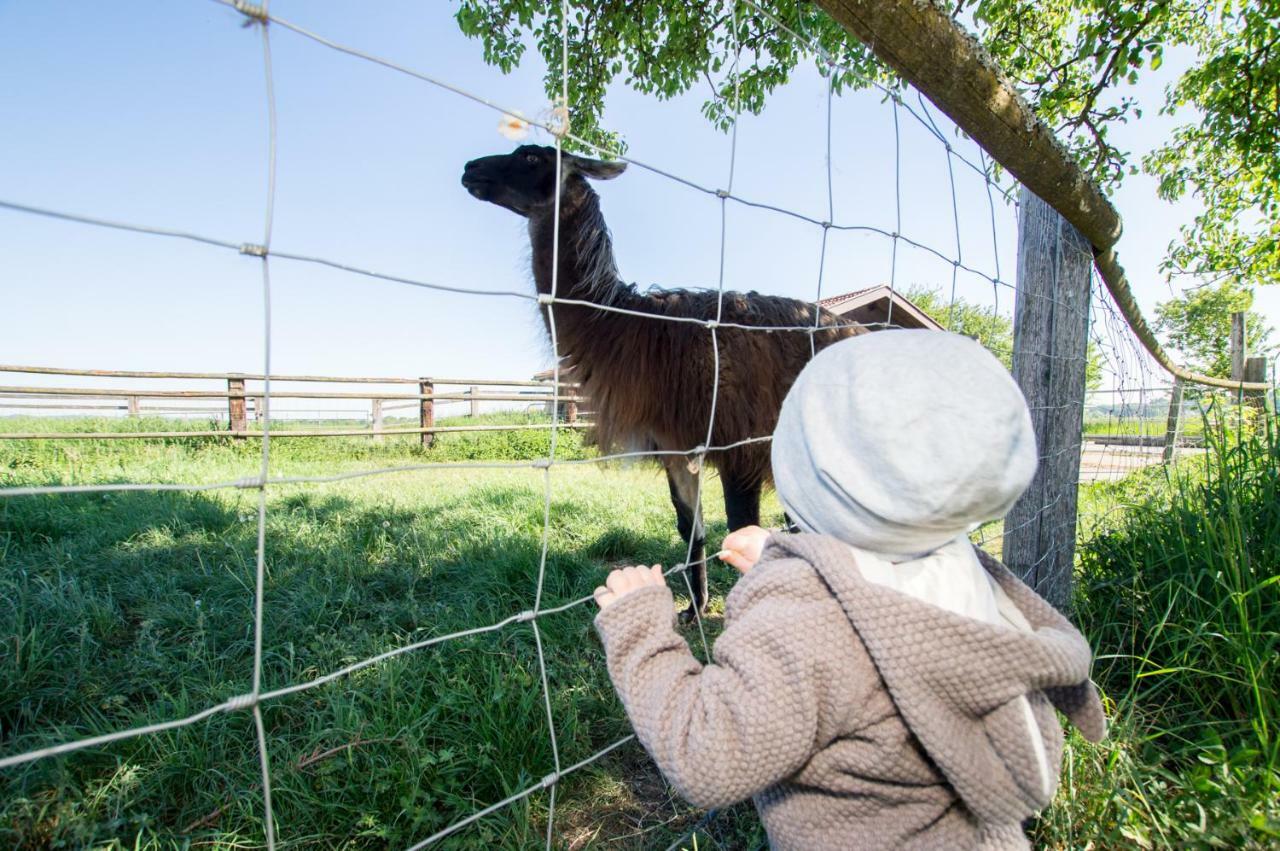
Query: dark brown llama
x,y
650,381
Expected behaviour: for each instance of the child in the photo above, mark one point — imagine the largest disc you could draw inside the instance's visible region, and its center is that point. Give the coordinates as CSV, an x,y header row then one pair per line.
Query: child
x,y
879,682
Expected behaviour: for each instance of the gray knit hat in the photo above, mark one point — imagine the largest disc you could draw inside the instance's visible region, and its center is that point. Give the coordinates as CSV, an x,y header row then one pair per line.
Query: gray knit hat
x,y
899,441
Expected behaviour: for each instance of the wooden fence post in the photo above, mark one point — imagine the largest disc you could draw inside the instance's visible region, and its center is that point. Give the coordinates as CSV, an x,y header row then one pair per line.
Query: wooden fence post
x,y
1255,370
237,421
1239,346
135,408
1050,336
571,412
257,409
375,417
475,403
426,410
1173,421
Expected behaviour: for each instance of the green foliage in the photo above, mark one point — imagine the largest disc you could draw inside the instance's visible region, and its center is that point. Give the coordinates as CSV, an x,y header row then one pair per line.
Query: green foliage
x,y
1072,58
1229,158
1198,325
988,327
661,48
1179,593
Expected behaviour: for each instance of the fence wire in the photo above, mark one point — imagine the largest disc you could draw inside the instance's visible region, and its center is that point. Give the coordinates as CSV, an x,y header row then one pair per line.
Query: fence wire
x,y
1134,380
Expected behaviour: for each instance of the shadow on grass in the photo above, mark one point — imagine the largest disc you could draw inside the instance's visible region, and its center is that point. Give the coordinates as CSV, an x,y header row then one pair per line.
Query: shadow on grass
x,y
127,609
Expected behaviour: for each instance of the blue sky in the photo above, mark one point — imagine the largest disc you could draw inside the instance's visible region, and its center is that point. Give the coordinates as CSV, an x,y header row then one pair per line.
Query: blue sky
x,y
154,113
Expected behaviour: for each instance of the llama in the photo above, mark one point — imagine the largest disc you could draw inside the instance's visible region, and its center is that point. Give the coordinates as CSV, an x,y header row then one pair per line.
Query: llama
x,y
650,382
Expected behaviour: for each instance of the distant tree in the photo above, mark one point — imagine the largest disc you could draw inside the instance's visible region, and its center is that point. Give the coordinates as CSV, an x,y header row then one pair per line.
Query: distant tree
x,y
1199,326
973,320
988,327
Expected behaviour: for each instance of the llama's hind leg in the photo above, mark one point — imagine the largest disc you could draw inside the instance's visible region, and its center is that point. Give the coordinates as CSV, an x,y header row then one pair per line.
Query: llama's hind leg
x,y
684,496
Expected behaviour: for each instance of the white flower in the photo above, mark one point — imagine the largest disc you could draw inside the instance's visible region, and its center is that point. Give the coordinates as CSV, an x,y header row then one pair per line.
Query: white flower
x,y
513,126
386,524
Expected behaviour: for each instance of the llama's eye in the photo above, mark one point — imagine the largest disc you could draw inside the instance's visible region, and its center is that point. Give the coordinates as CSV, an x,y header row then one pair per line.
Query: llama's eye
x,y
532,159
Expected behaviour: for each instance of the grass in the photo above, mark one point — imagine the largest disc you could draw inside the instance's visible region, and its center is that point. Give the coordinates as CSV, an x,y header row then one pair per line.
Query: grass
x,y
1192,426
129,608
125,609
1179,593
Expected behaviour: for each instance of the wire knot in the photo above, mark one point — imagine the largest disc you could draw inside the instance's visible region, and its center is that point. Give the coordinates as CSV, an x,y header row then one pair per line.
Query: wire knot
x,y
253,249
826,225
526,616
722,193
542,464
546,298
242,701
550,780
249,483
253,11
557,122
713,324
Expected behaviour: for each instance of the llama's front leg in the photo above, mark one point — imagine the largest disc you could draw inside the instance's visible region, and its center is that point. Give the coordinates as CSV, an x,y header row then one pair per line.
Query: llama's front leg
x,y
684,496
741,501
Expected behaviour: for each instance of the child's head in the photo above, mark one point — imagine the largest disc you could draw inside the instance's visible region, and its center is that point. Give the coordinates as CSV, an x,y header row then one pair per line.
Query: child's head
x,y
899,441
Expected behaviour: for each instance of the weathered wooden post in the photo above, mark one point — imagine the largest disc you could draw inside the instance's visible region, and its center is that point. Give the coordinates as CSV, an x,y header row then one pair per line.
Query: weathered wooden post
x,y
375,418
135,408
1255,370
257,409
426,409
237,420
571,411
1050,337
1172,422
475,403
1239,346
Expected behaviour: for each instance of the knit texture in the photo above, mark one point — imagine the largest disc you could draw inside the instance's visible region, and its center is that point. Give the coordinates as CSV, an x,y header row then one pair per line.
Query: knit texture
x,y
855,716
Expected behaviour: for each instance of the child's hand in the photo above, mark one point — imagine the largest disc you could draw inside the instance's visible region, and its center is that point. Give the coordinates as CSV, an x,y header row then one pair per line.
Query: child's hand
x,y
741,548
624,580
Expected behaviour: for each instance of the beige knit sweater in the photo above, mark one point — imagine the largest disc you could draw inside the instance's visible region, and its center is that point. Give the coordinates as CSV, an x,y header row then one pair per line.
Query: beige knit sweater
x,y
855,716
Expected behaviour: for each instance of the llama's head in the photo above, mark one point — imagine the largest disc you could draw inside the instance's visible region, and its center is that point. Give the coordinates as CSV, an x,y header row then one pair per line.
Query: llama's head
x,y
524,181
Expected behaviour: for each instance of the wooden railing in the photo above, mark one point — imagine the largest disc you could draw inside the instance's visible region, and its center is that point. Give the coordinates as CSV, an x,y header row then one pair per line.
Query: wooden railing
x,y
243,398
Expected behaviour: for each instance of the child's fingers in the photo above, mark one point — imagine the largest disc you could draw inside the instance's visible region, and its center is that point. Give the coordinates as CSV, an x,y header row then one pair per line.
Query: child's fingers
x,y
624,580
617,581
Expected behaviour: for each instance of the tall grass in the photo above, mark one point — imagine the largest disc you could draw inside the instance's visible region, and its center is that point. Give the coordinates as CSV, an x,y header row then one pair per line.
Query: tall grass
x,y
1180,597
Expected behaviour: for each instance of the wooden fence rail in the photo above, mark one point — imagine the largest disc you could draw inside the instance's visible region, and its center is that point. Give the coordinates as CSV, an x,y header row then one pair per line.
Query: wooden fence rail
x,y
226,376
242,398
275,435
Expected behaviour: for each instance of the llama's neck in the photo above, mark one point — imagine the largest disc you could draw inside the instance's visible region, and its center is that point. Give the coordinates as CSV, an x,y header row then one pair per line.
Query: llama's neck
x,y
587,270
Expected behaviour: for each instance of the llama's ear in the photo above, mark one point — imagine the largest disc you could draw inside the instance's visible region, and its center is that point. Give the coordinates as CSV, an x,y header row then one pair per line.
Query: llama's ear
x,y
596,169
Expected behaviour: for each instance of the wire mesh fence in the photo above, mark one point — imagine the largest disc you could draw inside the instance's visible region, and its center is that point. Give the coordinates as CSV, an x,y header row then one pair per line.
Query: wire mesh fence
x,y
1125,408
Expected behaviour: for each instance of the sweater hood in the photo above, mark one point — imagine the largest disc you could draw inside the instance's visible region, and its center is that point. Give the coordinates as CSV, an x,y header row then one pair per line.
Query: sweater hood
x,y
969,690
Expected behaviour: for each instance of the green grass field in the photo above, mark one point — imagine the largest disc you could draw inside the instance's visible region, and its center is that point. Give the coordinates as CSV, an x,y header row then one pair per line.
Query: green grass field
x,y
124,609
